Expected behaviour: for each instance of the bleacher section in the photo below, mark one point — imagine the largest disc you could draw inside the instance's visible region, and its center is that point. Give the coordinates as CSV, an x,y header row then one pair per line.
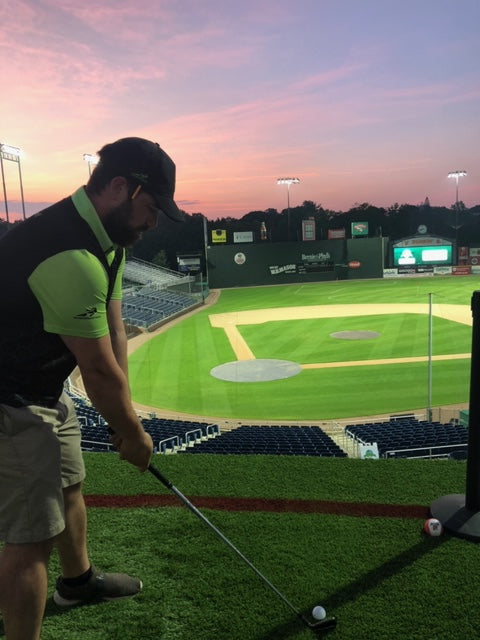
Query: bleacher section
x,y
272,440
148,297
399,437
142,273
187,436
146,308
407,437
168,435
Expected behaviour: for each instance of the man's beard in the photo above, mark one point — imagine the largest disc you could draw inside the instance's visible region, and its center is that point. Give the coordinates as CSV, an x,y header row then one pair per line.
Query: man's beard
x,y
119,227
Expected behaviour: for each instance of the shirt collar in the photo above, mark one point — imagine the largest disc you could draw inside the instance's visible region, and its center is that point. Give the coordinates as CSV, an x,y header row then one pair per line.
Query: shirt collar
x,y
87,211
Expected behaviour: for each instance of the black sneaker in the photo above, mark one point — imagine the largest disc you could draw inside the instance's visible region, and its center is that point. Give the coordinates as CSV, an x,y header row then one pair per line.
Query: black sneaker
x,y
100,586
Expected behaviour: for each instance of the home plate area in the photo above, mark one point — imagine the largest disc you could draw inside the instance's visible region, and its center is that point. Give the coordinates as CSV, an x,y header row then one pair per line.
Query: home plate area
x,y
261,370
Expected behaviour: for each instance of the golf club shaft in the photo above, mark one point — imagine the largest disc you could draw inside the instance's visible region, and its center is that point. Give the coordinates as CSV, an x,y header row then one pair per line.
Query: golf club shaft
x,y
200,515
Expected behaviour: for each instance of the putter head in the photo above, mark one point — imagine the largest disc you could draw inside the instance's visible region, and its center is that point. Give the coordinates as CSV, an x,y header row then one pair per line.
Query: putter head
x,y
319,625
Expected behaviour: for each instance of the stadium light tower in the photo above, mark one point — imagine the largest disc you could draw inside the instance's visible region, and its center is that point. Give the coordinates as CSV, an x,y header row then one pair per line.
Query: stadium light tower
x,y
91,159
457,175
288,182
7,152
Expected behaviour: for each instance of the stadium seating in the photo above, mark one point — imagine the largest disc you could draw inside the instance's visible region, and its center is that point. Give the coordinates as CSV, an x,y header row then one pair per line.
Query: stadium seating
x,y
141,272
272,440
407,437
168,435
395,438
144,309
148,295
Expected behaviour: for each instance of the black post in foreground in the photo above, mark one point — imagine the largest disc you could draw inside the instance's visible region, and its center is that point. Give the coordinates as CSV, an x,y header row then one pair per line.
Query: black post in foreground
x,y
460,514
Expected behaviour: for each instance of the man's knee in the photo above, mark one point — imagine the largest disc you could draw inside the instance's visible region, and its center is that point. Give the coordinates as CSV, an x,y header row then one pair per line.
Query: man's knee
x,y
24,555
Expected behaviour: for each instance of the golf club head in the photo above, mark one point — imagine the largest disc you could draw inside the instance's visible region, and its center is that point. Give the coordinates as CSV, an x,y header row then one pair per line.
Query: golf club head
x,y
319,625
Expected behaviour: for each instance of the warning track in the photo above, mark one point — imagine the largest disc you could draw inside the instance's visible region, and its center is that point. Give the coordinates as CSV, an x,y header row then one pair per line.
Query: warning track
x,y
268,505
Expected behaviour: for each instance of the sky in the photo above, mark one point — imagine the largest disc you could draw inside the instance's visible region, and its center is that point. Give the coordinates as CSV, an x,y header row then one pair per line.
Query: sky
x,y
363,101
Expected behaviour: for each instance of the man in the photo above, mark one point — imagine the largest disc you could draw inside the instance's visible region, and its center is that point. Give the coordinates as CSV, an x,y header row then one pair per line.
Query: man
x,y
60,300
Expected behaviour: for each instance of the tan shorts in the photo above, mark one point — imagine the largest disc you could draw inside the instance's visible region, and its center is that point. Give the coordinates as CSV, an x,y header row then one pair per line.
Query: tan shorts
x,y
40,454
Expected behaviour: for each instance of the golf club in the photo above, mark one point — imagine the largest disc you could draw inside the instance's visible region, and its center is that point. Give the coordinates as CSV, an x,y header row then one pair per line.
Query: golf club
x,y
327,623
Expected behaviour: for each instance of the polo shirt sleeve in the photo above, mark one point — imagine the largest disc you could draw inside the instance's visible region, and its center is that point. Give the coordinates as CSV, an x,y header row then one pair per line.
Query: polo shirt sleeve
x,y
71,289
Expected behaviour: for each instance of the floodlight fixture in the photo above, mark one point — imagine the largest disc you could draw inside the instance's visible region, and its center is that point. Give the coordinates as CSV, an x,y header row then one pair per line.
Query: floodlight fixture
x,y
91,159
8,150
13,154
288,182
456,175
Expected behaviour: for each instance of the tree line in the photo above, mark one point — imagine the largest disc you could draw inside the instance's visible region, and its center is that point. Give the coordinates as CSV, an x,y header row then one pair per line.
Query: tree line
x,y
161,245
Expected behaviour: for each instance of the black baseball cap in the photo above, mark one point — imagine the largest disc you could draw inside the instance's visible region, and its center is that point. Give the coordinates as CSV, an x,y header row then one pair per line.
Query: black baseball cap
x,y
147,164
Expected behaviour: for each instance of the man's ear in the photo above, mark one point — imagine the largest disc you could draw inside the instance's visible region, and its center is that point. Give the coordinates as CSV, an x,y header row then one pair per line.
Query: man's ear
x,y
118,188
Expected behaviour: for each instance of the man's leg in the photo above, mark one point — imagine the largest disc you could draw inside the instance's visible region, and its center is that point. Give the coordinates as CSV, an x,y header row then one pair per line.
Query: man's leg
x,y
79,582
72,542
23,588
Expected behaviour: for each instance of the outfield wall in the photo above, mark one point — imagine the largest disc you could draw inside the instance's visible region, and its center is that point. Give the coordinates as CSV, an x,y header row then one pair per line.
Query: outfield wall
x,y
248,264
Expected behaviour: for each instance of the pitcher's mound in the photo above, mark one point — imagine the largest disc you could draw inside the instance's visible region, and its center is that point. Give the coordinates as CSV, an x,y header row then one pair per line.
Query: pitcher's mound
x,y
256,370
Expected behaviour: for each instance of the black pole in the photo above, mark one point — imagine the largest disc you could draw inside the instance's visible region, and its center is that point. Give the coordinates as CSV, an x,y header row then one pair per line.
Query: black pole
x,y
473,461
460,514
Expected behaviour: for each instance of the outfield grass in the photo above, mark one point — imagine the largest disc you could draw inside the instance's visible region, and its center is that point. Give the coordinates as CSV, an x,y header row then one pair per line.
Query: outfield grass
x,y
381,577
172,371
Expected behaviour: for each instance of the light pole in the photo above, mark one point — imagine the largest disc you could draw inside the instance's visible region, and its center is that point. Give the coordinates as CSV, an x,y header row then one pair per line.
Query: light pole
x,y
90,159
456,175
288,182
7,152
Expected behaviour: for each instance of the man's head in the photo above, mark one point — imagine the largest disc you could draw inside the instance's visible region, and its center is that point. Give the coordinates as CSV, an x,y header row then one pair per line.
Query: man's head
x,y
140,178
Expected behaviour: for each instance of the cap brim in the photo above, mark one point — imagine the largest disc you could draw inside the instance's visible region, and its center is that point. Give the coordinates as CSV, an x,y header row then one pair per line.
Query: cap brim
x,y
168,206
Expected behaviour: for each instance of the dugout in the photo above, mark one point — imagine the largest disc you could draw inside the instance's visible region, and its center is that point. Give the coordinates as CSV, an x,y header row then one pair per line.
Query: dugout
x,y
269,263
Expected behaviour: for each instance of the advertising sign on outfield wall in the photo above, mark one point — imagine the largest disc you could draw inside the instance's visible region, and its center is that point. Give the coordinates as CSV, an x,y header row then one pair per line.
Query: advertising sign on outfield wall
x,y
242,236
359,229
219,235
308,230
336,234
390,273
461,271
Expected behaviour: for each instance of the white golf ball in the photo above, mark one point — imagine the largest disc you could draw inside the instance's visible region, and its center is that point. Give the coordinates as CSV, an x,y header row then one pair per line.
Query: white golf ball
x,y
319,613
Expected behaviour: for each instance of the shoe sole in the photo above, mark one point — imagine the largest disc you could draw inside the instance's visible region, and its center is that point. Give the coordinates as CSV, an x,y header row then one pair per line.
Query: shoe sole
x,y
65,602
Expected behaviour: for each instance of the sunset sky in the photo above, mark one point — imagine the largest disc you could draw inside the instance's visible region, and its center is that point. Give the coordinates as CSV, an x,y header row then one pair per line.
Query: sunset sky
x,y
363,101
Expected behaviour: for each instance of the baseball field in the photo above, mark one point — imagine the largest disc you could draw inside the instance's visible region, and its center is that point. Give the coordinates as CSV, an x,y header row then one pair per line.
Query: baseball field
x,y
312,352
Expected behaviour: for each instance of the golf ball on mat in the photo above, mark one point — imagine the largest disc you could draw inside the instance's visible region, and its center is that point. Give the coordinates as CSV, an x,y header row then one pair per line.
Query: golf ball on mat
x,y
319,613
433,527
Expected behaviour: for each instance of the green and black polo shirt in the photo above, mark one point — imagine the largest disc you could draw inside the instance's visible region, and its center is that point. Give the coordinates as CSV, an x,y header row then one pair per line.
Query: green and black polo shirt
x,y
58,270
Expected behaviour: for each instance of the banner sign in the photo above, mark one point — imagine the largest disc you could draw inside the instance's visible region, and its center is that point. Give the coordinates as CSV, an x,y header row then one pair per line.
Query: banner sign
x,y
423,241
243,236
369,451
359,229
187,263
390,273
308,230
442,271
461,271
336,234
219,235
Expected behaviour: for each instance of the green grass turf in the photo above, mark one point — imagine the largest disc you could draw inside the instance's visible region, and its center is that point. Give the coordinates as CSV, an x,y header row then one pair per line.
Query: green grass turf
x,y
381,577
310,341
172,371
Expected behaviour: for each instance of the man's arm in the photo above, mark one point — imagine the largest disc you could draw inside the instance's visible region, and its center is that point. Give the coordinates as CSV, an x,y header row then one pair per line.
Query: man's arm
x,y
107,387
118,334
